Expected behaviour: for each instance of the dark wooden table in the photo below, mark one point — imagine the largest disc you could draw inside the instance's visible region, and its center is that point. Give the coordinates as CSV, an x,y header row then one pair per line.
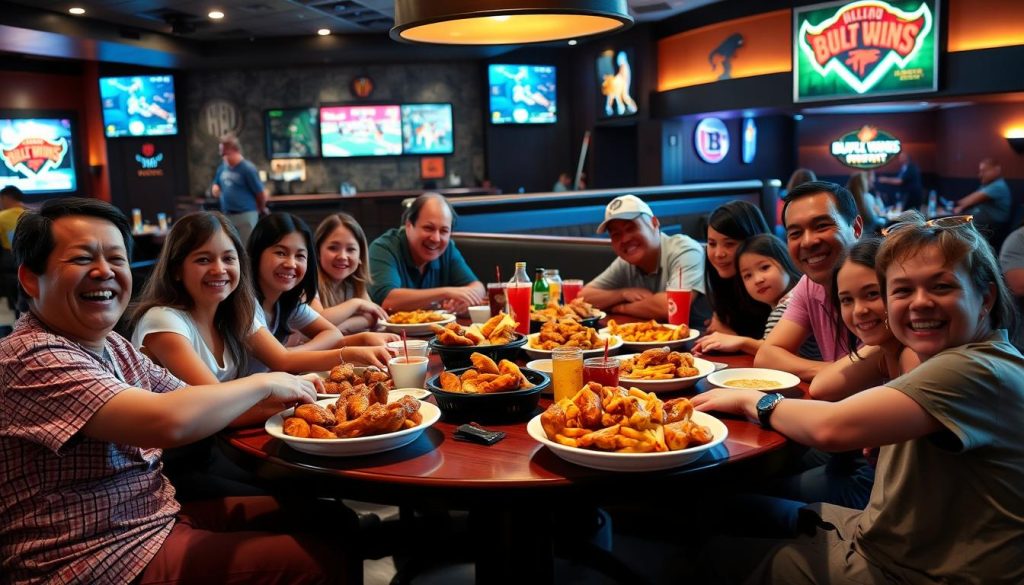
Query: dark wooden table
x,y
515,489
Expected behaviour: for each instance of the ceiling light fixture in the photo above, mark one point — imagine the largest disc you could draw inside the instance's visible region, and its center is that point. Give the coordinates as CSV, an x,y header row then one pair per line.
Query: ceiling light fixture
x,y
216,15
506,22
324,32
76,10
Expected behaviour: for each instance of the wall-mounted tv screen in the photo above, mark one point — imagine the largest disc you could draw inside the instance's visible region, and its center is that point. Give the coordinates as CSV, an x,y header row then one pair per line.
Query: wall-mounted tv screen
x,y
522,94
614,79
427,129
293,133
141,105
865,48
37,154
360,130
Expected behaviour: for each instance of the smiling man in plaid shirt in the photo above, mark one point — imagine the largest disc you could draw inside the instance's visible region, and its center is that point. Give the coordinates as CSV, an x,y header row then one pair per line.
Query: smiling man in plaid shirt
x,y
83,418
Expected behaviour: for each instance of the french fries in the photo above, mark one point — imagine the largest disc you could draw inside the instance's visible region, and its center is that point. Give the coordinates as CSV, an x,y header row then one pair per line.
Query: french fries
x,y
649,332
415,317
658,364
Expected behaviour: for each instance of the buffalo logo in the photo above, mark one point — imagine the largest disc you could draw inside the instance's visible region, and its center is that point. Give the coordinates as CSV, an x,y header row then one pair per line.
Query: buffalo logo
x,y
866,148
726,50
615,204
34,156
864,40
149,161
362,86
711,140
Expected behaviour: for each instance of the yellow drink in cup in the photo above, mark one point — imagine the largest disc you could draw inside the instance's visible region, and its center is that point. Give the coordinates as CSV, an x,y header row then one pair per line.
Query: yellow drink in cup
x,y
566,371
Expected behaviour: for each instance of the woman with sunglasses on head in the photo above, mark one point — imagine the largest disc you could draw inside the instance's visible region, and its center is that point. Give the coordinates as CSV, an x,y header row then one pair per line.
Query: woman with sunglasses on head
x,y
280,249
343,274
952,420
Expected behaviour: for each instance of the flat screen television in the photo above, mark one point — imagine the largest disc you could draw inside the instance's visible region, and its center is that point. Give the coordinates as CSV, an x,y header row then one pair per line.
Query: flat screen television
x,y
614,82
292,133
140,105
522,94
427,129
360,130
37,152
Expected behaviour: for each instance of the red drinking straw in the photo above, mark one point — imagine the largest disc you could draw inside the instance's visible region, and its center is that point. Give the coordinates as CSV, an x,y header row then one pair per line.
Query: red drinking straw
x,y
405,344
497,272
680,277
606,350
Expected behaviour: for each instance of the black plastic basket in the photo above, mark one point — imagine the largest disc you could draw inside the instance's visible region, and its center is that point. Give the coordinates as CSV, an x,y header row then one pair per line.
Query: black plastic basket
x,y
503,406
457,356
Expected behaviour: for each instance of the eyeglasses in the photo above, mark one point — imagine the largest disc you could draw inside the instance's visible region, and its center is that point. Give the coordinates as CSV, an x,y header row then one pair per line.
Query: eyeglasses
x,y
949,222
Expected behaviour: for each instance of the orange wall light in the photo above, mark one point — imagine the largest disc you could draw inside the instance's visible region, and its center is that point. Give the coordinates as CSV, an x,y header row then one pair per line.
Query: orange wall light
x,y
985,24
685,59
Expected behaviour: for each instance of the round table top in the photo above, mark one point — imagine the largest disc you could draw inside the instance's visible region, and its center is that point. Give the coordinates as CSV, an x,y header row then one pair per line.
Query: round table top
x,y
518,462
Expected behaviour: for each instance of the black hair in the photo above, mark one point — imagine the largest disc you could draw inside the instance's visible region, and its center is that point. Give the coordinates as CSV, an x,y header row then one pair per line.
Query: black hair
x,y
729,299
12,192
769,246
841,196
33,238
268,231
862,253
412,213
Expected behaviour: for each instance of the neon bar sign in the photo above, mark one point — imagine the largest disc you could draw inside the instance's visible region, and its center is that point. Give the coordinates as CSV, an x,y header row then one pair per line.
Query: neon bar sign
x,y
866,148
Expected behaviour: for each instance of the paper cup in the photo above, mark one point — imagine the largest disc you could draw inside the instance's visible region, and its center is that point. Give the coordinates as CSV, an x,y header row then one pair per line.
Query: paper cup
x,y
679,305
480,313
417,347
411,374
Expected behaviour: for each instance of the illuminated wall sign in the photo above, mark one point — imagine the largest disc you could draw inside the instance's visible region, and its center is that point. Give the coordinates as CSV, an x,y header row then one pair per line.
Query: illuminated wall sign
x,y
149,161
711,139
749,140
869,47
866,148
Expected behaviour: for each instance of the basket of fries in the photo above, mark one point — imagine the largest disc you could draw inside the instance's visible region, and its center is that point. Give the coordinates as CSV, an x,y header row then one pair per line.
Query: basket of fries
x,y
488,390
496,339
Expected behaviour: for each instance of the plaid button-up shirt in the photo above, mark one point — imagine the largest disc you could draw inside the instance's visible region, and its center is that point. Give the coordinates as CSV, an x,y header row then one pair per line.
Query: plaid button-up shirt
x,y
74,509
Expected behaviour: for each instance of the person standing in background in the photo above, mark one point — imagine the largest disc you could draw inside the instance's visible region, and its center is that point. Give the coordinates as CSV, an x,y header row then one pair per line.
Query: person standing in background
x,y
909,182
12,202
564,183
990,204
237,184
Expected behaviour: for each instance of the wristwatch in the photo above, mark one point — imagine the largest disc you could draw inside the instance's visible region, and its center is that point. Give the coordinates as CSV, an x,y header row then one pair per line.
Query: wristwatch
x,y
765,406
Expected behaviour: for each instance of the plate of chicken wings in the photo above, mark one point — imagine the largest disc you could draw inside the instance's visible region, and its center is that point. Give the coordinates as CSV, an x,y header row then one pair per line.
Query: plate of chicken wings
x,y
360,422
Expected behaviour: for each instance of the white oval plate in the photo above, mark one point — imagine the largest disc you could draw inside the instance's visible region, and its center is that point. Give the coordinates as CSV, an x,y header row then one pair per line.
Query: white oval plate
x,y
785,379
632,461
704,368
644,345
614,345
358,445
418,328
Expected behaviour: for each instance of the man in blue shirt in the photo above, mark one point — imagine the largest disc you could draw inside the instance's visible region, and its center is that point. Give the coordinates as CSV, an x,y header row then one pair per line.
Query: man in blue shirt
x,y
990,204
909,182
237,184
416,266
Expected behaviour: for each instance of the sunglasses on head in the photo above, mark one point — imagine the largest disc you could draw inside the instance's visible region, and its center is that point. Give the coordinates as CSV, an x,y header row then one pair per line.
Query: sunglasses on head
x,y
949,222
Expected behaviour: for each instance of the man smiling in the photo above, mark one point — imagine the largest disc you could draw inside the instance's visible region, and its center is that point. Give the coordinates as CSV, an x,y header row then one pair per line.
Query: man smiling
x,y
417,266
647,262
821,224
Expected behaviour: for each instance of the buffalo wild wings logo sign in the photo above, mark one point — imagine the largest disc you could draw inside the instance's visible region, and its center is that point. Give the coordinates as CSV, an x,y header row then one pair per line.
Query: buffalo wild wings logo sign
x,y
869,47
711,139
866,148
149,161
35,156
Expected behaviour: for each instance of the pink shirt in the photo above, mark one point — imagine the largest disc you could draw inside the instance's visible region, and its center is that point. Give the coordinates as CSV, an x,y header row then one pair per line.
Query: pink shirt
x,y
810,308
74,509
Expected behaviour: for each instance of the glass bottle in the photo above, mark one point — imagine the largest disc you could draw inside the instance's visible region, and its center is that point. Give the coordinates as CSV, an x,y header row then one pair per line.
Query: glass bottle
x,y
554,285
541,290
518,295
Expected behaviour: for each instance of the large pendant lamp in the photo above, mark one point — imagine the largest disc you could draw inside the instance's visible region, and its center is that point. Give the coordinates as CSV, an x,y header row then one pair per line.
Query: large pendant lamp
x,y
506,22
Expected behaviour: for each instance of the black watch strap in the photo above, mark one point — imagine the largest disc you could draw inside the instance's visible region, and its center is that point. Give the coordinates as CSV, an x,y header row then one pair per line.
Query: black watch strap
x,y
766,406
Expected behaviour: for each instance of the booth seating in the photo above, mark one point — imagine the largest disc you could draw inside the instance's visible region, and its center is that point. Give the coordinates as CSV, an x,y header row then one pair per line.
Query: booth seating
x,y
582,258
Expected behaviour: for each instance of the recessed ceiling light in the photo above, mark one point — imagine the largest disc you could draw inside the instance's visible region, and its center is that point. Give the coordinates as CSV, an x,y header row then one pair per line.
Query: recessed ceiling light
x,y
77,10
216,14
572,42
324,32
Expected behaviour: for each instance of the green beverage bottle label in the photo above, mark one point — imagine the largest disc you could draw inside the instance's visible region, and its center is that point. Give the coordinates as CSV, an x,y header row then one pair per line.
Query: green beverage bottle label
x,y
541,291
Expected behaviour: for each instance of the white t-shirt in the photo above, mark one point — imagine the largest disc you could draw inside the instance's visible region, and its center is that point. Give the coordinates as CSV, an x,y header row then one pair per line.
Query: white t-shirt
x,y
169,320
302,316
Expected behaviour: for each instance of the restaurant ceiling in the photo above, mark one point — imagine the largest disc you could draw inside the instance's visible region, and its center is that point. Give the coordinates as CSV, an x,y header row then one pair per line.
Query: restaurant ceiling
x,y
249,19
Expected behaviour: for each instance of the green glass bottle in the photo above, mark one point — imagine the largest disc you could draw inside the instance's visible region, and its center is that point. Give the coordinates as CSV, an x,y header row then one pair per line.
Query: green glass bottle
x,y
541,290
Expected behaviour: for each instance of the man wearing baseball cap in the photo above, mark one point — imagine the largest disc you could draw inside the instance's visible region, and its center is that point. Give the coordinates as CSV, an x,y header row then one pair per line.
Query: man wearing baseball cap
x,y
647,262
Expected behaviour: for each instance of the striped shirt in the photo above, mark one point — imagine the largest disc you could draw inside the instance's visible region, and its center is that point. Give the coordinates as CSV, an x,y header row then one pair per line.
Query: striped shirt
x,y
74,509
809,349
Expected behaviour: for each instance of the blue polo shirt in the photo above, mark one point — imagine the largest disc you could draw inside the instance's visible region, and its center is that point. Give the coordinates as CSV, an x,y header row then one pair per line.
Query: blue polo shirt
x,y
240,186
392,266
